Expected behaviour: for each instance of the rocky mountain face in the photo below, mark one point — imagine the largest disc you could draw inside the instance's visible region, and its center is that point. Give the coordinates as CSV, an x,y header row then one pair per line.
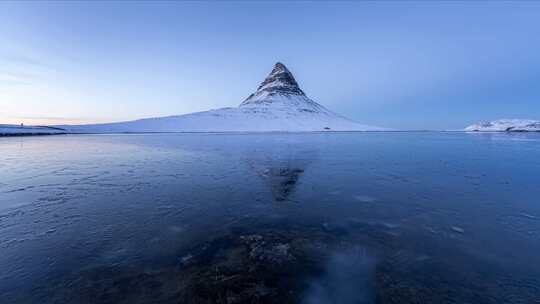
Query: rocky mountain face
x,y
279,83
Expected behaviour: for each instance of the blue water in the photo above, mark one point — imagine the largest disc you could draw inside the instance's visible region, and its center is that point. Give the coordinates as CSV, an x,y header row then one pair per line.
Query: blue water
x,y
276,218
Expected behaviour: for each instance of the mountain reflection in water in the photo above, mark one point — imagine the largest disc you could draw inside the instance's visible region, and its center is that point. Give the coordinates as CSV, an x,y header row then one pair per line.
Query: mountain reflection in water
x,y
280,167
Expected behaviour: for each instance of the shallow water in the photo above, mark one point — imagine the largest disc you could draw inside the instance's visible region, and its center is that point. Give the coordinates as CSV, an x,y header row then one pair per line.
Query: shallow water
x,y
276,218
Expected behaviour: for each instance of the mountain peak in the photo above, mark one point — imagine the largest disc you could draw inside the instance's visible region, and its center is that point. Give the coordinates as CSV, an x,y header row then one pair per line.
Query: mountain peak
x,y
280,82
279,68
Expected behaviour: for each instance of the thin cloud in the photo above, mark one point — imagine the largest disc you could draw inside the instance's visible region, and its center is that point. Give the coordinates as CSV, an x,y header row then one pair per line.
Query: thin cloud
x,y
23,60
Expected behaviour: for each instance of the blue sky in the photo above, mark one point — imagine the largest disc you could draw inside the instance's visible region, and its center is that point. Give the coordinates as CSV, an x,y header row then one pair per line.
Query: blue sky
x,y
406,65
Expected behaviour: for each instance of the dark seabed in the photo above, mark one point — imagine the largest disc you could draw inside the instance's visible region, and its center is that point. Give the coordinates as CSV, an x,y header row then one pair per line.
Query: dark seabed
x,y
274,218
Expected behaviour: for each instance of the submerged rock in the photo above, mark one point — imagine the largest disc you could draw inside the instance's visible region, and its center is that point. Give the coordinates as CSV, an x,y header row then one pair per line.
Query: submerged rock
x,y
244,268
297,263
271,253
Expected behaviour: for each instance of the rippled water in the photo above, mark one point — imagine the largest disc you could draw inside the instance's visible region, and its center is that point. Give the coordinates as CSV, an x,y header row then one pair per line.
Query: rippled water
x,y
274,218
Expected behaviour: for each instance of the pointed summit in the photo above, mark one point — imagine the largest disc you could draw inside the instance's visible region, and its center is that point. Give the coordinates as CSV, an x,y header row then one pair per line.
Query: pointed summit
x,y
280,82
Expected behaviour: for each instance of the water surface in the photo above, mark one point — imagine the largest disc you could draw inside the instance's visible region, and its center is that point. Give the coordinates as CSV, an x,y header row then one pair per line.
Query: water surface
x,y
274,218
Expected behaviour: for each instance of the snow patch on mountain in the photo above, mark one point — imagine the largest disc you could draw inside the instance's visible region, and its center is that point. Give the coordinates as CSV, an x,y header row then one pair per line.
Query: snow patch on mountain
x,y
506,125
274,117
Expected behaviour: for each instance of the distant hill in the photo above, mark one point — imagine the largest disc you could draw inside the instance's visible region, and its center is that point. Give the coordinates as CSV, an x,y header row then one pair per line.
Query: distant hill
x,y
11,130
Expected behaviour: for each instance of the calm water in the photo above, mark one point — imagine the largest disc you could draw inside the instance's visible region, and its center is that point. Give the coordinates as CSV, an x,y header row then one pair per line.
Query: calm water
x,y
299,218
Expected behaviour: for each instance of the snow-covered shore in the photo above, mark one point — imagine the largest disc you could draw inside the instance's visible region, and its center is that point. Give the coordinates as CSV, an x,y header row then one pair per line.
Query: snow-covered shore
x,y
18,130
506,125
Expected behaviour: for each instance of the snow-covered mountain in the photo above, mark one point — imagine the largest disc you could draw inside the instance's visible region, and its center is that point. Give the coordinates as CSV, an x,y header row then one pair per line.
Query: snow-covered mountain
x,y
278,105
506,125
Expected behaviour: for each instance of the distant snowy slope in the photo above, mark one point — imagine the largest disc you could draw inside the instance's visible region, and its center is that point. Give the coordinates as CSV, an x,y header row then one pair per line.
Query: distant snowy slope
x,y
6,130
507,125
278,105
248,119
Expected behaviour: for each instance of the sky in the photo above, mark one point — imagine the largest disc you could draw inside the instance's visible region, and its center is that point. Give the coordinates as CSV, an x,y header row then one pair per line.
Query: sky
x,y
402,65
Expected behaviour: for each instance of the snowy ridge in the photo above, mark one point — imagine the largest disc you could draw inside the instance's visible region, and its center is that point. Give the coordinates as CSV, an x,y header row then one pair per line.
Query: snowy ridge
x,y
278,105
506,125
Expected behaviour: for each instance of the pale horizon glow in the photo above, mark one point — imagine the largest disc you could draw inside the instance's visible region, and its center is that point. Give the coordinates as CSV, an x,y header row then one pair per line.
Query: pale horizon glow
x,y
401,65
